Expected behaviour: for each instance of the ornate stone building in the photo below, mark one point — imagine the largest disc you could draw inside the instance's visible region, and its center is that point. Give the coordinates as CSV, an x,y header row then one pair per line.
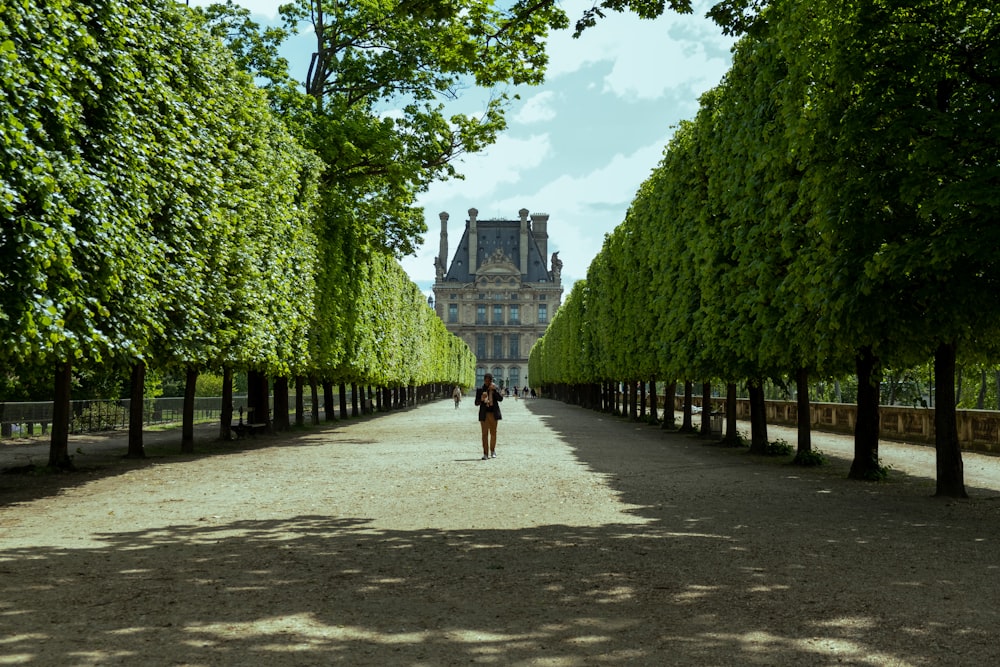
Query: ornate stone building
x,y
497,294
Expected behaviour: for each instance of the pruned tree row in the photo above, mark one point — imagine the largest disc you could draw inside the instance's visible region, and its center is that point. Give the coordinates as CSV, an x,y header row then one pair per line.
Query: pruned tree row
x,y
160,210
832,208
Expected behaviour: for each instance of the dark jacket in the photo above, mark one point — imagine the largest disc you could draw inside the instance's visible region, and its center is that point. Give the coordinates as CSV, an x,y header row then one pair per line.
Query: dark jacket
x,y
497,397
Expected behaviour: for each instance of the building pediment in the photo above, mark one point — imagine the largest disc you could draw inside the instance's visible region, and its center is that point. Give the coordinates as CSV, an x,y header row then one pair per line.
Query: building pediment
x,y
497,264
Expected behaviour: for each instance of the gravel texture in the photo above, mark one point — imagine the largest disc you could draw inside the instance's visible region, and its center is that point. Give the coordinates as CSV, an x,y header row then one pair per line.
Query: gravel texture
x,y
589,540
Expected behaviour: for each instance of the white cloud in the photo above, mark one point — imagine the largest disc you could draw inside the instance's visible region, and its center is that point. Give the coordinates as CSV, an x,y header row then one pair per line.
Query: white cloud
x,y
616,181
537,109
502,164
582,210
647,57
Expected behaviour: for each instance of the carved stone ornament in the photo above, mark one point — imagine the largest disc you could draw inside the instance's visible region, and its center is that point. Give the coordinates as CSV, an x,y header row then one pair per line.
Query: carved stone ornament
x,y
498,263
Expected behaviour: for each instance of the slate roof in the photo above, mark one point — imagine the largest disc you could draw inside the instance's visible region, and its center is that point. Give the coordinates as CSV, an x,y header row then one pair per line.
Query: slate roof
x,y
493,234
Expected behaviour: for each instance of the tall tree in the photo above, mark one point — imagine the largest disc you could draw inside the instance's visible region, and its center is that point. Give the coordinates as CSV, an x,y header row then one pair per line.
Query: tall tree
x,y
379,76
906,105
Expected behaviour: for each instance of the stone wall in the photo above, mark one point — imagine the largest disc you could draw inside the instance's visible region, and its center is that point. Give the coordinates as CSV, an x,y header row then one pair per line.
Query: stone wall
x,y
978,430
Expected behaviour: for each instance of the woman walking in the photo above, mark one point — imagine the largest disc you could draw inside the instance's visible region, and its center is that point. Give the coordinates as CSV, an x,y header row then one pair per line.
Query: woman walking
x,y
488,399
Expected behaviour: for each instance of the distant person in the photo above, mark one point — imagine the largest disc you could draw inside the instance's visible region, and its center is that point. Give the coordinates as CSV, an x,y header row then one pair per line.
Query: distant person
x,y
488,399
457,395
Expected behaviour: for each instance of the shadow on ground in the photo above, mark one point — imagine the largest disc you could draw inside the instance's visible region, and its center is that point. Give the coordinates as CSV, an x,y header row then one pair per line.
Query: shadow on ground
x,y
737,562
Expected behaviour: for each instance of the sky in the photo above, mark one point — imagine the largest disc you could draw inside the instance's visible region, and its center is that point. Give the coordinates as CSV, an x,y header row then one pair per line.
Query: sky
x,y
578,146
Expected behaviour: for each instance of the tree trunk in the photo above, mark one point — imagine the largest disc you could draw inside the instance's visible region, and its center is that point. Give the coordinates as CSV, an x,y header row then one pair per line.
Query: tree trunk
x,y
950,475
300,401
642,401
706,410
342,389
59,442
654,403
758,417
329,413
136,409
633,394
866,429
258,395
354,399
314,397
187,417
669,392
803,415
686,425
281,422
732,437
981,399
226,421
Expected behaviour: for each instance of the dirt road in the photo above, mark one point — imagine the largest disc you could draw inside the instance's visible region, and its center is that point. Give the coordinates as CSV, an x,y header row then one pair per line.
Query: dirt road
x,y
589,540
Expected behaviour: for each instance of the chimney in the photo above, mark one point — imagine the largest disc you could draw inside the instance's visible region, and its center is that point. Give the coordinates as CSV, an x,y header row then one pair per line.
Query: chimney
x,y
473,241
443,250
524,241
539,229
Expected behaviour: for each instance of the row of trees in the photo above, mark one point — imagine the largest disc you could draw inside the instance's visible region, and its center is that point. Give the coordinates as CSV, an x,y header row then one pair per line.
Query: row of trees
x,y
173,198
832,208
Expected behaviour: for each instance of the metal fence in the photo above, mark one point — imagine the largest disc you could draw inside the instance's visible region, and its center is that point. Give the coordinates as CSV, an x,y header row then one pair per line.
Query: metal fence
x,y
19,420
26,420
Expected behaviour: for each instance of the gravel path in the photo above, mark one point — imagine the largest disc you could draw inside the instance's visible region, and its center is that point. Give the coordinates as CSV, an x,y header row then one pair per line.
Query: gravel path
x,y
589,541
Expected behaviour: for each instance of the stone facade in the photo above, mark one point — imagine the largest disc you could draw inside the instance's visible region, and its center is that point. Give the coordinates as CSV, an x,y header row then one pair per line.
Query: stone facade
x,y
497,292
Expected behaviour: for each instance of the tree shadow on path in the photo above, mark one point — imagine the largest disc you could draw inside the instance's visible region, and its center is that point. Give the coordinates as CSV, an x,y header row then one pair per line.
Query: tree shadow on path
x,y
735,562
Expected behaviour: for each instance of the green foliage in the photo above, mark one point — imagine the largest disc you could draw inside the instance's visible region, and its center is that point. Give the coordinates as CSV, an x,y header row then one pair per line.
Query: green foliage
x,y
165,213
208,384
810,459
778,448
879,473
153,385
832,204
380,71
735,17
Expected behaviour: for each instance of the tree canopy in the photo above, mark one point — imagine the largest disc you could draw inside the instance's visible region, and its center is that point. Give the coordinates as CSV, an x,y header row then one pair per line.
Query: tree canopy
x,y
834,200
161,208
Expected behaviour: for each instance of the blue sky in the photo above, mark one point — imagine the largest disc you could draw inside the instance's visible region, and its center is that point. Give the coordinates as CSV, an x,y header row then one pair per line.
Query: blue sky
x,y
579,146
